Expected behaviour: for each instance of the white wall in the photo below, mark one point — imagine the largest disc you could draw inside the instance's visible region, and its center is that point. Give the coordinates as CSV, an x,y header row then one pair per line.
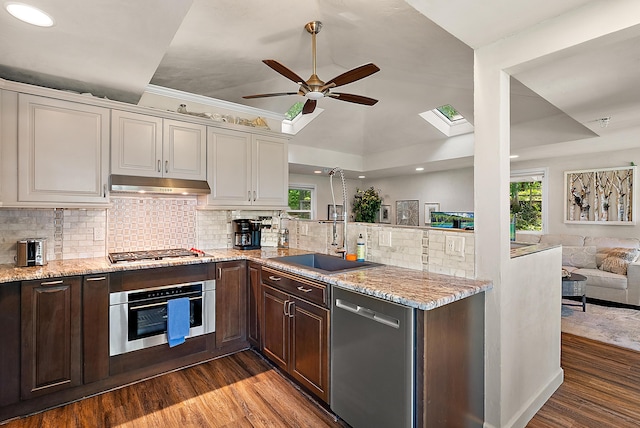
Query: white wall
x,y
557,167
453,189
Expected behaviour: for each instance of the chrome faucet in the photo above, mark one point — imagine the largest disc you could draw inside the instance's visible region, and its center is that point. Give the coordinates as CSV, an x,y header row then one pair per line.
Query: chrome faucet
x,y
343,249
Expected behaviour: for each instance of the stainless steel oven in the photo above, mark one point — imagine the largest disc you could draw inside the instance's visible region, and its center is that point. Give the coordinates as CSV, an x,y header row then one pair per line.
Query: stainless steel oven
x,y
138,318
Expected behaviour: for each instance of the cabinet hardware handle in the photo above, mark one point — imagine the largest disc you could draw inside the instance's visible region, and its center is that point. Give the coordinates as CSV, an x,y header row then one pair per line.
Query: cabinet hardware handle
x,y
249,195
291,309
285,306
99,278
166,166
104,190
305,290
254,196
159,165
219,273
274,278
52,282
153,305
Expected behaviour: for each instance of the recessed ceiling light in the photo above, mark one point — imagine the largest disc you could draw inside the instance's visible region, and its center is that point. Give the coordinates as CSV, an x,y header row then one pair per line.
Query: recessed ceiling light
x,y
29,14
317,172
514,156
361,176
420,168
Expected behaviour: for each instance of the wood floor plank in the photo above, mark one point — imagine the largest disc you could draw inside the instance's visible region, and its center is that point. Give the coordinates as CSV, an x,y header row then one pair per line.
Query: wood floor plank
x,y
240,390
601,387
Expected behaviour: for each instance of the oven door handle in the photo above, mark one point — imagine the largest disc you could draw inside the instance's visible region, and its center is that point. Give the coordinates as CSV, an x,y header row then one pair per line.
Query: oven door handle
x,y
153,305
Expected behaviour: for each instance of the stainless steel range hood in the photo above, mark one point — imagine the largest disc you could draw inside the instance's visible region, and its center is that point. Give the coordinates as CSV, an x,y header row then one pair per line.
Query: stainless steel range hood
x,y
157,185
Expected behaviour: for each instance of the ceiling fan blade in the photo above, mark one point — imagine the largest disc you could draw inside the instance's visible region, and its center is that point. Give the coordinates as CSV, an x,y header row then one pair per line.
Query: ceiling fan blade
x,y
286,72
278,94
358,99
309,106
351,76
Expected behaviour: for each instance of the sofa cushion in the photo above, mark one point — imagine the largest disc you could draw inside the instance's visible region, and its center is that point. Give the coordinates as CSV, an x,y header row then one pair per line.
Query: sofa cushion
x,y
599,278
618,259
604,244
570,240
581,257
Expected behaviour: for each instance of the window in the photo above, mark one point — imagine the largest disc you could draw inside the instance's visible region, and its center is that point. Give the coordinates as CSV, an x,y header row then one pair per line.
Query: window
x,y
528,199
302,201
294,111
447,120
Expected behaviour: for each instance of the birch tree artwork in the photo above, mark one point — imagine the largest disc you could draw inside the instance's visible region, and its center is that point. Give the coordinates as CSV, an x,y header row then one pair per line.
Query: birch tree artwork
x,y
600,196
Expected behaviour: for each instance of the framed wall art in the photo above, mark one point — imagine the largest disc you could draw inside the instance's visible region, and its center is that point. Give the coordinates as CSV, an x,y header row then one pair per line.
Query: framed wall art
x,y
603,196
430,207
385,214
407,213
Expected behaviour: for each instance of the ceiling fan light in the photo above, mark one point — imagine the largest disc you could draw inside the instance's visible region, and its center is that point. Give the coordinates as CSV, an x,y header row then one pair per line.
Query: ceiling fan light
x,y
314,95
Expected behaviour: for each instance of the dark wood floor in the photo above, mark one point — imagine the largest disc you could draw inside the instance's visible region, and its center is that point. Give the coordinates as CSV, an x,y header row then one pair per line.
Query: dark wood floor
x,y
601,387
240,390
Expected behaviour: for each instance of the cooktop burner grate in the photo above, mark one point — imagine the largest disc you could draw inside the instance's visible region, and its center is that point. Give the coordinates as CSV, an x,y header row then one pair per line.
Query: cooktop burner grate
x,y
134,256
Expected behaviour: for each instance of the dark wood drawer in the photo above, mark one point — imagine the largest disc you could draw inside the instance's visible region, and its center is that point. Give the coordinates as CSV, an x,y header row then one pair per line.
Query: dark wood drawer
x,y
306,289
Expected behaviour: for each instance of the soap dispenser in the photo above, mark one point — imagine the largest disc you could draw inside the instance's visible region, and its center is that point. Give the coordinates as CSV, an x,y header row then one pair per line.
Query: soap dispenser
x,y
360,249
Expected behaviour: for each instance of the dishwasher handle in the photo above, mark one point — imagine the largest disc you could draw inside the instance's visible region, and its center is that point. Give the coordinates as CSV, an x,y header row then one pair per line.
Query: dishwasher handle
x,y
368,313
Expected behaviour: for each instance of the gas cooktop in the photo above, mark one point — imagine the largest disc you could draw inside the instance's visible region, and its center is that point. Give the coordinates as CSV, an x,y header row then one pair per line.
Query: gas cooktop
x,y
134,256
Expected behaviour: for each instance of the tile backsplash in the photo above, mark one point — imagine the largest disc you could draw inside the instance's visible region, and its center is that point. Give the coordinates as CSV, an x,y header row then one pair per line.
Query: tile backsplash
x,y
137,223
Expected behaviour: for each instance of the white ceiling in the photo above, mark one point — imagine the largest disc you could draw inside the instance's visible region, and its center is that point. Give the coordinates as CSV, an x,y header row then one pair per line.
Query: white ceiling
x,y
114,48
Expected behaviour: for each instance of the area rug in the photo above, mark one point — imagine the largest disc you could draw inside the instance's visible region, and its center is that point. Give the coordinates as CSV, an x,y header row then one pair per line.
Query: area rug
x,y
617,326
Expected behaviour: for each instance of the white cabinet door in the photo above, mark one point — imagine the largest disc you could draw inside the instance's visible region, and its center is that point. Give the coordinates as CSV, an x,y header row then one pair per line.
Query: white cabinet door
x,y
149,146
270,171
136,144
229,167
63,151
246,169
184,150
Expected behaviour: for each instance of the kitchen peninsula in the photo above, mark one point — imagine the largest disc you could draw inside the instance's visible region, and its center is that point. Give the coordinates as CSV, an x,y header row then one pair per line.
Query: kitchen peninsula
x,y
450,326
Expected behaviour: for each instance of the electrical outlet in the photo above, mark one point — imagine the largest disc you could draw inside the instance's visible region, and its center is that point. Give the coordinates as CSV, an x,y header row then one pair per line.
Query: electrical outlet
x,y
98,234
384,239
454,245
304,229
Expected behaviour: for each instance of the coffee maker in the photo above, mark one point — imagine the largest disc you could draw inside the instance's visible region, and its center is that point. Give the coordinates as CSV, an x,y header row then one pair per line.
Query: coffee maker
x,y
246,234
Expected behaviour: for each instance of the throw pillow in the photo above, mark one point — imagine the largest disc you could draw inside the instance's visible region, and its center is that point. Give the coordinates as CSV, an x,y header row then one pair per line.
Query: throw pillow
x,y
580,257
618,259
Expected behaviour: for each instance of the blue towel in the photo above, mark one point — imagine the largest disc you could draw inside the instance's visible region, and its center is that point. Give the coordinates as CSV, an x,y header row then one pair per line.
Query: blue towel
x,y
177,320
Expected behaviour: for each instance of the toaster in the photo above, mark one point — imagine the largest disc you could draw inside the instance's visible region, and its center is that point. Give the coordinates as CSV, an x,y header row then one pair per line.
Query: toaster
x,y
31,252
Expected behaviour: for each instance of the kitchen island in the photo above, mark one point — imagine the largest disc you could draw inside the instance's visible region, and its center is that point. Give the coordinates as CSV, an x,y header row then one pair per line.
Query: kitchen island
x,y
449,324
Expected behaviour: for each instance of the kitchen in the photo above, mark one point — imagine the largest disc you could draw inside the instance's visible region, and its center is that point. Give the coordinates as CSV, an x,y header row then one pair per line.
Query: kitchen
x,y
496,356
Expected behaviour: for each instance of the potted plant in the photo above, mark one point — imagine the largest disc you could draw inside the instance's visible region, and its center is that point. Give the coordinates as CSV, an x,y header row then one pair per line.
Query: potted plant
x,y
366,205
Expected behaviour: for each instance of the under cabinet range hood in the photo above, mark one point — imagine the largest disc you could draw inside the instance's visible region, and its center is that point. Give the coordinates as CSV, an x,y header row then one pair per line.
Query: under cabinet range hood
x,y
158,185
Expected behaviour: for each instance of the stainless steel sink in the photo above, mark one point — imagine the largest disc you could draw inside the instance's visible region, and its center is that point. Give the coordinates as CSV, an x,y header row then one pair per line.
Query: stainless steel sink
x,y
324,263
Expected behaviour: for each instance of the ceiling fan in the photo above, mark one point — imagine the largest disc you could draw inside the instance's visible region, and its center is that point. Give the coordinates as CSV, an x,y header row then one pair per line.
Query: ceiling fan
x,y
314,88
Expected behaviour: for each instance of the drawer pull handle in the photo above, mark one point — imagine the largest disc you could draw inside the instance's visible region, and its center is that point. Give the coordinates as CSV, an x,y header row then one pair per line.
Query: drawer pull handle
x,y
274,278
99,278
305,290
52,282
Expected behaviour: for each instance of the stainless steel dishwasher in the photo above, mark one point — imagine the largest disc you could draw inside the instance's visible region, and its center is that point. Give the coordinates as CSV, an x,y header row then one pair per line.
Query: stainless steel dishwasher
x,y
372,361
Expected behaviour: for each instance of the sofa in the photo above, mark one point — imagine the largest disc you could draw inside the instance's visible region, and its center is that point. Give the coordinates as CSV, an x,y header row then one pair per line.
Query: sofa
x,y
611,265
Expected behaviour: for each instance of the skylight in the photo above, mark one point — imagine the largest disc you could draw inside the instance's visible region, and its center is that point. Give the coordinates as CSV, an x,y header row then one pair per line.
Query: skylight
x,y
294,110
447,120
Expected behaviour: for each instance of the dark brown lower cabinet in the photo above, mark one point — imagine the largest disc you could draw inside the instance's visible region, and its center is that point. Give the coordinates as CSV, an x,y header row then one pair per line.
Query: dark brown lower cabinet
x,y
254,312
231,303
51,350
95,327
295,336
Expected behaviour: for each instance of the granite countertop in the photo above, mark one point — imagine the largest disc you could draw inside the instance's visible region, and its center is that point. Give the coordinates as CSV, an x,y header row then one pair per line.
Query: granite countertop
x,y
519,249
414,288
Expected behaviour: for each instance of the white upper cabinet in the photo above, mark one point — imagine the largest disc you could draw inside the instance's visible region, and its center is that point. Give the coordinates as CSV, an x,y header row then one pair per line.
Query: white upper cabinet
x,y
63,151
246,169
154,147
